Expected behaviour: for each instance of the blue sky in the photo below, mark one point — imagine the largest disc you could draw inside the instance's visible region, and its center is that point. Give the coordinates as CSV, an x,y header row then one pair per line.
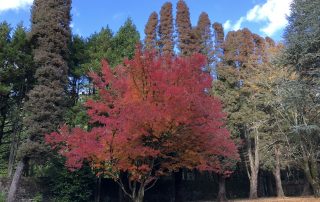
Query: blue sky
x,y
265,17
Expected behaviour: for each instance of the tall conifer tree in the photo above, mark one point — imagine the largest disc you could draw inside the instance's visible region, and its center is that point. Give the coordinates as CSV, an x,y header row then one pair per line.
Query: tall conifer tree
x,y
184,28
50,35
218,34
205,37
151,31
166,42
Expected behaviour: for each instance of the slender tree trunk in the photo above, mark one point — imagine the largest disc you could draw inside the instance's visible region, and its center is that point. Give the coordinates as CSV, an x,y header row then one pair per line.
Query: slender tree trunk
x,y
178,186
15,181
222,189
254,166
311,172
277,173
254,185
306,188
98,193
2,124
14,146
12,156
122,196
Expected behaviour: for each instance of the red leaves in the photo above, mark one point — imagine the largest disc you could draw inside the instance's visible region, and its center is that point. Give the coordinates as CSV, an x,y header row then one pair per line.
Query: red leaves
x,y
152,116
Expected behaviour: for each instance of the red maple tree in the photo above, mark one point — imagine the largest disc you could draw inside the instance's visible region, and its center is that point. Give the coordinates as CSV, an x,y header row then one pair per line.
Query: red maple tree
x,y
153,116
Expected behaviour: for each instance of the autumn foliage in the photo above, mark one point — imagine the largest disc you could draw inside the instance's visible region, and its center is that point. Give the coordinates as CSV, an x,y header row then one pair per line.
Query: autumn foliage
x,y
153,116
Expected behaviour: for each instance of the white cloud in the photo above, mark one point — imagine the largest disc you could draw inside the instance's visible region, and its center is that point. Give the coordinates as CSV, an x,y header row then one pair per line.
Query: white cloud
x,y
273,14
227,25
238,24
14,4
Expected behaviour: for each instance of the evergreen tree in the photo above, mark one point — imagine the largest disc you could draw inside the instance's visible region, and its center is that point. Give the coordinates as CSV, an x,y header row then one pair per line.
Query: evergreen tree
x,y
22,80
16,78
77,72
50,36
125,42
99,46
302,39
47,100
166,42
5,76
150,31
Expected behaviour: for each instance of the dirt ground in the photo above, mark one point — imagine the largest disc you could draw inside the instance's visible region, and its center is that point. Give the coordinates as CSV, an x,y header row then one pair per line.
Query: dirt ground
x,y
286,199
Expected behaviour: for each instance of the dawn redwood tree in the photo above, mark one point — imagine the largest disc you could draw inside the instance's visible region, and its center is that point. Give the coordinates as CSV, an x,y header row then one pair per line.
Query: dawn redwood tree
x,y
151,31
205,38
166,42
184,28
46,104
218,34
149,120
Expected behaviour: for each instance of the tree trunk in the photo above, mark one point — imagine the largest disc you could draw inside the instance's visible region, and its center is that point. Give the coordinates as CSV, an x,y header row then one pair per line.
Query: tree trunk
x,y
178,186
277,173
98,192
311,172
254,185
15,181
306,188
2,124
222,189
122,196
14,146
138,197
254,161
12,156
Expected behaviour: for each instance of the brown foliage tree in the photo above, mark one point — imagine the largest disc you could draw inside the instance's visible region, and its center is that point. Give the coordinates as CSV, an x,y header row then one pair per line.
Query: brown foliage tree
x,y
218,34
184,28
166,29
205,37
151,31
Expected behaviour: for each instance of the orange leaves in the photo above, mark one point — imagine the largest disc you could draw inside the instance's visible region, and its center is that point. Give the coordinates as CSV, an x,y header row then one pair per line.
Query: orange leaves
x,y
152,116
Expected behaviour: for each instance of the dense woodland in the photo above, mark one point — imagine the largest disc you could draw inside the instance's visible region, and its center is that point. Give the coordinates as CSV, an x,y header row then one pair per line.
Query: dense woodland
x,y
184,113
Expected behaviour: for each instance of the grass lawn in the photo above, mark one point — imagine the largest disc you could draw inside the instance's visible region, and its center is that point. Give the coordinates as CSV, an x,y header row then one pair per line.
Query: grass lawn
x,y
286,199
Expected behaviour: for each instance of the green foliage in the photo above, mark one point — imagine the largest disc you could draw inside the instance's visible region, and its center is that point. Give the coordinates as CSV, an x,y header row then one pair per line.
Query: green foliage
x,y
124,42
302,37
16,78
2,197
99,46
77,115
113,48
47,101
67,186
38,198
